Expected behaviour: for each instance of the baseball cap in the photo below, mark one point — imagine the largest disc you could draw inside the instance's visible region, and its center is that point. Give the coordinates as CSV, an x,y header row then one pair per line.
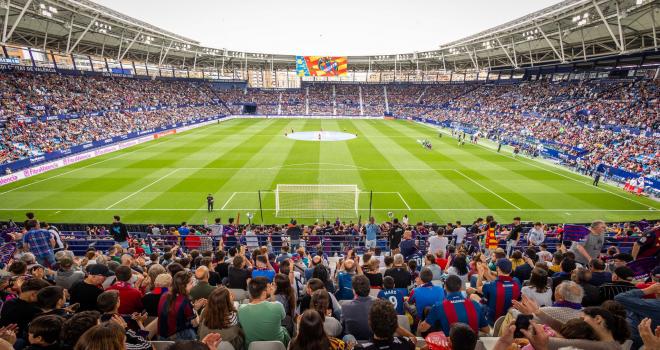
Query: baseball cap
x,y
295,257
99,270
504,265
624,273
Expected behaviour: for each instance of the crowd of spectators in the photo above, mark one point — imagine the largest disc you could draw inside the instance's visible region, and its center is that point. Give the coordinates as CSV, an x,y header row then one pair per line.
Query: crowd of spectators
x,y
291,290
601,121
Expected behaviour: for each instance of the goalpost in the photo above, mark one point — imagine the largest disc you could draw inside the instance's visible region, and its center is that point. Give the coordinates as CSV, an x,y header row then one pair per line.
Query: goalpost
x,y
316,201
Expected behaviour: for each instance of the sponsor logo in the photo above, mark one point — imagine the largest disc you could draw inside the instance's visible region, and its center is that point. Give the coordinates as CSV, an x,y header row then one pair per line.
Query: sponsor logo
x,y
8,179
87,145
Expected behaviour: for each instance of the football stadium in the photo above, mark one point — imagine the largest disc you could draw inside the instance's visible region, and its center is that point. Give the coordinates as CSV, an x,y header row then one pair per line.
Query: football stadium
x,y
426,181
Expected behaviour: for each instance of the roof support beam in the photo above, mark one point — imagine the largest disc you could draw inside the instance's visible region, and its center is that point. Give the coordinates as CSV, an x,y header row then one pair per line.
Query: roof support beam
x,y
552,46
68,38
473,59
6,36
137,35
70,50
506,52
4,31
561,43
513,48
607,25
164,55
655,37
618,23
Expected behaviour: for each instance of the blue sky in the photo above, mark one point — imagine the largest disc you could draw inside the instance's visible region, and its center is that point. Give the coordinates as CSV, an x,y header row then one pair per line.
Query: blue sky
x,y
326,27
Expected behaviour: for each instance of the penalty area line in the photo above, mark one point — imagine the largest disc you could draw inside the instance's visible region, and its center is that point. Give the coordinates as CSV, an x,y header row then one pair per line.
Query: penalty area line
x,y
228,200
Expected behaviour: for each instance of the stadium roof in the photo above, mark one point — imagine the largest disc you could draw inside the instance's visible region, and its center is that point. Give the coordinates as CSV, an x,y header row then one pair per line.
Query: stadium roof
x,y
570,31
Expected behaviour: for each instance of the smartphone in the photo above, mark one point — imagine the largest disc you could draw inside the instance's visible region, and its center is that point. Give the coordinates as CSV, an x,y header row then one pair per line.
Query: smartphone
x,y
522,322
74,307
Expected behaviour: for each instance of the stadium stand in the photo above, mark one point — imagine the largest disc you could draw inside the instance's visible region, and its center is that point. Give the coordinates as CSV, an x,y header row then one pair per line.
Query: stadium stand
x,y
590,105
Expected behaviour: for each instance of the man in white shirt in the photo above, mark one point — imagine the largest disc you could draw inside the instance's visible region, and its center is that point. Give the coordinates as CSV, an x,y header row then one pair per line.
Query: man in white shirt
x,y
460,233
438,242
536,235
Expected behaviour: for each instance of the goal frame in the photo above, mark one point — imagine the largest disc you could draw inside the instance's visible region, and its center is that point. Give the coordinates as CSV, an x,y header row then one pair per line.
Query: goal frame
x,y
351,188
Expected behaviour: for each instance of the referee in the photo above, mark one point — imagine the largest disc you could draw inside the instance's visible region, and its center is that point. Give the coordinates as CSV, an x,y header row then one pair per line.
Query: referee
x,y
209,202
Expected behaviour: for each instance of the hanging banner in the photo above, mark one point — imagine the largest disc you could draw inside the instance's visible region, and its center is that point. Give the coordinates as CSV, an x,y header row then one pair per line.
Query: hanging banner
x,y
321,66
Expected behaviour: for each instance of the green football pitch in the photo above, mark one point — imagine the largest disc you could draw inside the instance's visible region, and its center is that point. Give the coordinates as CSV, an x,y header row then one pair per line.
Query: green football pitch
x,y
167,180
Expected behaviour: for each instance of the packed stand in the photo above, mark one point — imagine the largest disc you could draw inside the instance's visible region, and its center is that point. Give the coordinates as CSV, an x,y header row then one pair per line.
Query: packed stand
x,y
228,285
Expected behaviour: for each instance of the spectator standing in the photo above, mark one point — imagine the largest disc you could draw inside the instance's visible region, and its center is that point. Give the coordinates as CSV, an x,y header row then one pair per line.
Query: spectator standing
x,y
438,243
372,232
514,236
119,232
395,235
592,245
536,235
40,243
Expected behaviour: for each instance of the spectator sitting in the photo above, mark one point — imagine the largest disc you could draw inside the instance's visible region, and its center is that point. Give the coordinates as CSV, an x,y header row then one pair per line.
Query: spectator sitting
x,y
105,336
459,267
131,298
538,289
177,316
321,303
621,282
640,308
150,300
313,285
498,294
263,269
66,276
567,266
20,311
238,273
202,289
391,294
355,313
567,305
345,272
260,319
51,300
426,294
598,274
383,323
455,308
430,263
312,335
462,337
524,271
74,327
373,274
581,276
44,333
88,290
219,316
400,273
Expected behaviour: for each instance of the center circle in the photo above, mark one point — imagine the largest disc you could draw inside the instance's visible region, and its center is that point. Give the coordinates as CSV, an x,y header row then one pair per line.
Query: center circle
x,y
321,136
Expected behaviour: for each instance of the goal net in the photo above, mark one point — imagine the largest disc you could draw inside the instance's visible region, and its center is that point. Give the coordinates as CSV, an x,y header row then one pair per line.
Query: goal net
x,y
316,201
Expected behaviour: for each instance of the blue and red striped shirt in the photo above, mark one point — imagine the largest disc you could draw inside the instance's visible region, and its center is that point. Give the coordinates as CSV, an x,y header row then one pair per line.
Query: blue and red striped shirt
x,y
456,308
498,295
